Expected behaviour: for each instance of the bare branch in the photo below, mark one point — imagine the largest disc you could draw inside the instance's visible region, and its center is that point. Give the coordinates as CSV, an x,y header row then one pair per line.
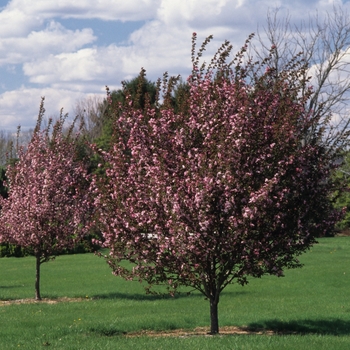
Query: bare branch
x,y
324,43
90,111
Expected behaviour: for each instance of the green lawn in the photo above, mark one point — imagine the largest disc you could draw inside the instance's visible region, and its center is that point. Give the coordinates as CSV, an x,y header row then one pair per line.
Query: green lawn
x,y
309,307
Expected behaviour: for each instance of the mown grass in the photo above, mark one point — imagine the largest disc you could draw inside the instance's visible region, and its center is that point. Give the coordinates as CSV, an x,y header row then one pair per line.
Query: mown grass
x,y
308,308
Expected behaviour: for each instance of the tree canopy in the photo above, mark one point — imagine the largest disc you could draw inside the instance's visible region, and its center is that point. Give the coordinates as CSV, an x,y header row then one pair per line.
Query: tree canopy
x,y
47,208
226,187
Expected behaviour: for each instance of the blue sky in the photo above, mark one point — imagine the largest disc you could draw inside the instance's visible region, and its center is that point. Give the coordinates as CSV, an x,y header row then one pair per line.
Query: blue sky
x,y
69,50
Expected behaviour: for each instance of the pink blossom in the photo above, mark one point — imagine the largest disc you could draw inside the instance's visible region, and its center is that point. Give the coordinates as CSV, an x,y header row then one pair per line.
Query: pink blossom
x,y
218,180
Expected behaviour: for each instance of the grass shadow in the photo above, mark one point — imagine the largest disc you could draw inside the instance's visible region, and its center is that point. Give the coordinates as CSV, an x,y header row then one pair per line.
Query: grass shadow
x,y
10,287
153,297
333,326
141,297
107,332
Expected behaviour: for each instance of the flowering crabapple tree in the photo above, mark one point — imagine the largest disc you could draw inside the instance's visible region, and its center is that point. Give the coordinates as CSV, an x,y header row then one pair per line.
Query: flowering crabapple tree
x,y
47,209
223,189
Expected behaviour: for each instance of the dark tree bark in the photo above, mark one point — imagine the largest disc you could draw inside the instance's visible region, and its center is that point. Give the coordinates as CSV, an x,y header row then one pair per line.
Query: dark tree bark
x,y
214,319
37,279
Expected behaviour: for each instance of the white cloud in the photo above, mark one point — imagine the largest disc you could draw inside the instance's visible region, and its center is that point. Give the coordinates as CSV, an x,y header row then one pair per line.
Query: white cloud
x,y
82,65
171,12
64,64
16,23
23,105
53,39
103,9
152,47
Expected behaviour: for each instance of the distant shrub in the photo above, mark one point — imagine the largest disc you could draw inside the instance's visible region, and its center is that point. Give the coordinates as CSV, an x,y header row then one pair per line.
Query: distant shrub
x,y
12,250
86,246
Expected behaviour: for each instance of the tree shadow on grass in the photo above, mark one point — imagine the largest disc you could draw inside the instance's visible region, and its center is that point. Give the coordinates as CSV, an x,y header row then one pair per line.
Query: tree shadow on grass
x,y
141,297
332,326
152,297
107,332
2,287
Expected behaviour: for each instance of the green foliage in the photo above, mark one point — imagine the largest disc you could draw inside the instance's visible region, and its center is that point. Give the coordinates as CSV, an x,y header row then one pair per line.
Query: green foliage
x,y
181,97
140,90
87,245
342,199
12,250
3,189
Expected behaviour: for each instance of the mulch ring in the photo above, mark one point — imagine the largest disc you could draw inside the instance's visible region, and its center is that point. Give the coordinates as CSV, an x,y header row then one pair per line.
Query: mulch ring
x,y
204,331
43,300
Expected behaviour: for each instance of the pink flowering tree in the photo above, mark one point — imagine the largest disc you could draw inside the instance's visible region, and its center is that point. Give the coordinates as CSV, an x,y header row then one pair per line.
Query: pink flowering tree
x,y
47,209
226,188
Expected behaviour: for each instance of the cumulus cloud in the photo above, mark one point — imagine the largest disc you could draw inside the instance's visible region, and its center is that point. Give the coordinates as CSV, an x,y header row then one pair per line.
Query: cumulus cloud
x,y
21,106
189,11
103,9
151,47
53,39
16,23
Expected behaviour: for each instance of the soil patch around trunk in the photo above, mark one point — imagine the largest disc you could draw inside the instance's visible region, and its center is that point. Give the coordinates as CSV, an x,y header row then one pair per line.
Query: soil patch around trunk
x,y
203,331
43,300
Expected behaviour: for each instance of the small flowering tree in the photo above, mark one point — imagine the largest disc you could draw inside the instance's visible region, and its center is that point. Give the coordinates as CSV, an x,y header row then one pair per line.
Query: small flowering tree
x,y
47,209
223,189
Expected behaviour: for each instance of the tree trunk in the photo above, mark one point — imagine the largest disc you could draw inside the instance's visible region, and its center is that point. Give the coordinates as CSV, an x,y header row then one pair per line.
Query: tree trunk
x,y
37,279
214,319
